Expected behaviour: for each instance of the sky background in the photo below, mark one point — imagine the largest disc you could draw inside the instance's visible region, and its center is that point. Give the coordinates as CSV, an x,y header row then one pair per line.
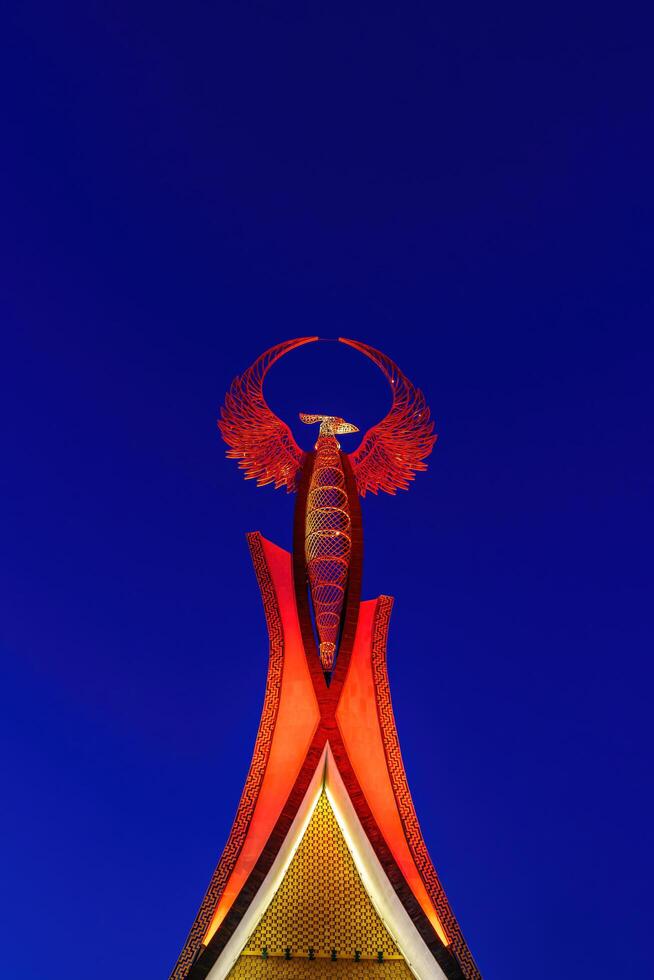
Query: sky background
x,y
468,188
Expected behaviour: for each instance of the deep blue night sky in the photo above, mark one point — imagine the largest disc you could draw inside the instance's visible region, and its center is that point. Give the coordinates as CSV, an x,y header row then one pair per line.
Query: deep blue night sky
x,y
468,189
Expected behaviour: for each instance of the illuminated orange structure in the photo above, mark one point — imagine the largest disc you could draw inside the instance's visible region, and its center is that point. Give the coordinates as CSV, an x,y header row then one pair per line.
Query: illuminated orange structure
x,y
325,872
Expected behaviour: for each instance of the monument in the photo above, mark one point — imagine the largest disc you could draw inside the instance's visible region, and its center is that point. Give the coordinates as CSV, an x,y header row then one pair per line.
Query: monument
x,y
325,872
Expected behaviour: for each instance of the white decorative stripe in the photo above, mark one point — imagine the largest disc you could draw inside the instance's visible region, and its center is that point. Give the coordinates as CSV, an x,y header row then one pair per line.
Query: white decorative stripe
x,y
273,879
389,908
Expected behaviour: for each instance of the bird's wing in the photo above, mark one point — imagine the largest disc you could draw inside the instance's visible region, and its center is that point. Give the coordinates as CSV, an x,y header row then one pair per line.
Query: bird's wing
x,y
392,451
263,445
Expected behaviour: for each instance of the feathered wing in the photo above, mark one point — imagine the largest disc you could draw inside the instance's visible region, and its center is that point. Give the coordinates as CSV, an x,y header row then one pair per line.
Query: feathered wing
x,y
263,445
393,451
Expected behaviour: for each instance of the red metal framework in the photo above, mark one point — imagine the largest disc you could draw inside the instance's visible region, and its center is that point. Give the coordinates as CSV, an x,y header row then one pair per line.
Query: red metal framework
x,y
258,439
390,454
327,542
327,545
392,451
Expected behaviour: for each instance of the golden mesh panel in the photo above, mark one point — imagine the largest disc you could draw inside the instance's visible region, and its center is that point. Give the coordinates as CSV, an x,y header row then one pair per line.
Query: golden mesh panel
x,y
320,904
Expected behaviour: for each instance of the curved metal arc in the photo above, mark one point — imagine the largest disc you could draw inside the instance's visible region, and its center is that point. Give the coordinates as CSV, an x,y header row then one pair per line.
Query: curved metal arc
x,y
393,450
261,442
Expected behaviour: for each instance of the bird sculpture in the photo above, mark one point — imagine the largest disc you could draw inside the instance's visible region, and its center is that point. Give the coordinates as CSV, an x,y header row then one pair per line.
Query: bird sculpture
x,y
389,455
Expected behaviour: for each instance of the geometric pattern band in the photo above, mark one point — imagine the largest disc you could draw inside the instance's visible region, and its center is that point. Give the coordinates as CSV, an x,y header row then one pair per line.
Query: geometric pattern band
x,y
402,793
258,765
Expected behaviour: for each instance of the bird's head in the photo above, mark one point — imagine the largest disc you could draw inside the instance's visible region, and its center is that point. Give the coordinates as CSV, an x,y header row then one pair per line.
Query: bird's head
x,y
330,425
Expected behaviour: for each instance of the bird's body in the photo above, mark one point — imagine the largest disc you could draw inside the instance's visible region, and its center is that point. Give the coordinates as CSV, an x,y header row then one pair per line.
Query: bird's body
x,y
327,544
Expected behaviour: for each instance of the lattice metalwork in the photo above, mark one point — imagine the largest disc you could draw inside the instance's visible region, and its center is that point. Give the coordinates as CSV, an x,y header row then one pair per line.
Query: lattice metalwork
x,y
387,459
321,909
389,456
258,439
328,542
392,451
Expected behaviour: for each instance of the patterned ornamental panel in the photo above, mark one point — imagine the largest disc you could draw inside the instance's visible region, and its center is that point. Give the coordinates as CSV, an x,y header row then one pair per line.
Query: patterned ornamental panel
x,y
402,793
257,766
302,968
321,921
